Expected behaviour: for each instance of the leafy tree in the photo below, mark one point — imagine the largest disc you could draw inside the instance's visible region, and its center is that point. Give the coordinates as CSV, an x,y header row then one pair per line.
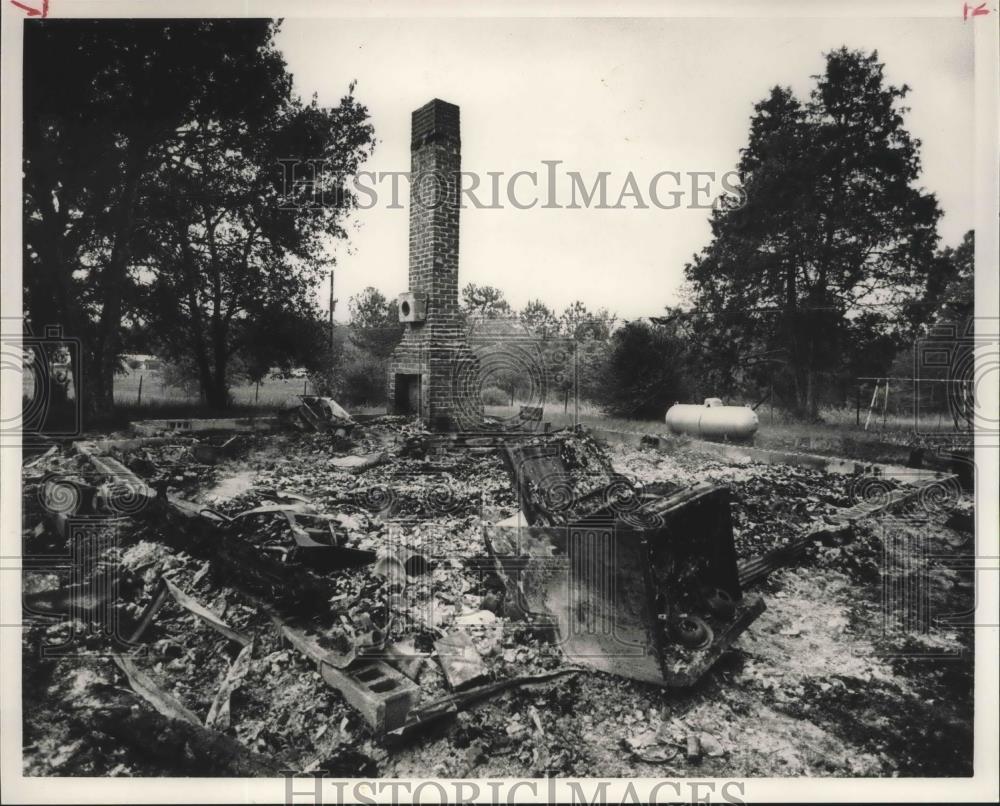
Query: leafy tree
x,y
352,375
371,309
363,379
644,372
509,355
484,301
950,295
230,248
106,102
375,324
946,310
833,224
572,361
326,368
283,337
540,319
577,322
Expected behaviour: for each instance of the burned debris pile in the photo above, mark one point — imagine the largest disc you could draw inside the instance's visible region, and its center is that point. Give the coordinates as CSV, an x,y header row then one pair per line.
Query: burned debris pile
x,y
321,597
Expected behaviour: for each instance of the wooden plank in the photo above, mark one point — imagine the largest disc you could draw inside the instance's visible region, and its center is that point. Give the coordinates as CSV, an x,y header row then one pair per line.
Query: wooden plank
x,y
195,607
758,568
201,425
218,713
143,685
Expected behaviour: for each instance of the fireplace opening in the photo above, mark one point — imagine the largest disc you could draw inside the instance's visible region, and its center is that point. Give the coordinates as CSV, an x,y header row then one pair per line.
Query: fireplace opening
x,y
407,393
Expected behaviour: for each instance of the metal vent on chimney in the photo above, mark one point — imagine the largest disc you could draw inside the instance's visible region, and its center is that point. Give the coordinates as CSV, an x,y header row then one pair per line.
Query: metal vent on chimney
x,y
412,306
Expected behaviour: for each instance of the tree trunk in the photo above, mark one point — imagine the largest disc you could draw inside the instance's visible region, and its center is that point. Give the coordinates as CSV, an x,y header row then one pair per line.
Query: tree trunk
x,y
218,391
218,394
94,389
812,403
99,400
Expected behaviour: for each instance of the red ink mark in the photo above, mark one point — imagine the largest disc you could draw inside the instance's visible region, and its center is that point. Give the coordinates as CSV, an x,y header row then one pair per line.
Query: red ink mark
x,y
978,11
32,11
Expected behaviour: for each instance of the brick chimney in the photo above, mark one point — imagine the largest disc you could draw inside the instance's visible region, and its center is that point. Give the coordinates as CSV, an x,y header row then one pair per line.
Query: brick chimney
x,y
433,373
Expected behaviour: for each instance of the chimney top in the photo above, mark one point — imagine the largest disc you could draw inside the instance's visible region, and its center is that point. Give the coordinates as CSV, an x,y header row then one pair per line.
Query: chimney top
x,y
435,122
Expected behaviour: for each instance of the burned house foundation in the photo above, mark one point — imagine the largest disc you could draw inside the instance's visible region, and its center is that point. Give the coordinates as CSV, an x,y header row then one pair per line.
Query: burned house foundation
x,y
313,590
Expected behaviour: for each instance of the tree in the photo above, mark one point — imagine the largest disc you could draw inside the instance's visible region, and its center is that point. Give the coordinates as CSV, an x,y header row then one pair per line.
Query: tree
x,y
943,325
105,102
833,225
231,248
370,309
283,337
950,295
571,360
540,319
484,301
644,371
375,325
577,322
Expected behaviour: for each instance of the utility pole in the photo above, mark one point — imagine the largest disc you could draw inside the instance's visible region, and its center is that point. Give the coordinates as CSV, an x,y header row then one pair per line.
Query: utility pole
x,y
333,306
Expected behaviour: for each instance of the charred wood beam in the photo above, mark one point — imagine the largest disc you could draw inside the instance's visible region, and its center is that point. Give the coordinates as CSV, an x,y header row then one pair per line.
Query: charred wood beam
x,y
757,569
193,748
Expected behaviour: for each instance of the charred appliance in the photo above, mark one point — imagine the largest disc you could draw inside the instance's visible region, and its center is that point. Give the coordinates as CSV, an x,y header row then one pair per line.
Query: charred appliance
x,y
635,581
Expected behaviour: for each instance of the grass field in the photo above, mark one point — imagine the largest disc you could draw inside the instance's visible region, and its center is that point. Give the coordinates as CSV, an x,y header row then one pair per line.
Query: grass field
x,y
838,433
160,400
155,392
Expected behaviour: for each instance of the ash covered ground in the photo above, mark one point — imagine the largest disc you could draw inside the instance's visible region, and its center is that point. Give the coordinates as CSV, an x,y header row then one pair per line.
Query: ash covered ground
x,y
822,684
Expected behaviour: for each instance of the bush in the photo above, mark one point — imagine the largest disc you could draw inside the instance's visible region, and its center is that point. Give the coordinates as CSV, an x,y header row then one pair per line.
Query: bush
x,y
181,375
644,372
364,379
353,377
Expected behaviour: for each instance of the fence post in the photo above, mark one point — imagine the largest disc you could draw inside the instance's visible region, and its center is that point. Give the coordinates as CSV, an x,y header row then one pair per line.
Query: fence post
x,y
305,387
857,403
138,401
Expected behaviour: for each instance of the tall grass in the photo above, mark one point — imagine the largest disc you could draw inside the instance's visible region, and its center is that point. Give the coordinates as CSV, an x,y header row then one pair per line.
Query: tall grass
x,y
838,430
836,434
155,392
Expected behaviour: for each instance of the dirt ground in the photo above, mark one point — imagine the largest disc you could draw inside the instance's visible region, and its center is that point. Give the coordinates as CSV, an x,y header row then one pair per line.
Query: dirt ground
x,y
834,679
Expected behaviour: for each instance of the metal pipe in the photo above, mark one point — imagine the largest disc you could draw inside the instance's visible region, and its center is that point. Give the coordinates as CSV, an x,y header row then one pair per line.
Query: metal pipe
x,y
871,406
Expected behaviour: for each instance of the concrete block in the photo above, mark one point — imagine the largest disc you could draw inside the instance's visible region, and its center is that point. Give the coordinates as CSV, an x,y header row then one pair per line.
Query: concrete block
x,y
383,696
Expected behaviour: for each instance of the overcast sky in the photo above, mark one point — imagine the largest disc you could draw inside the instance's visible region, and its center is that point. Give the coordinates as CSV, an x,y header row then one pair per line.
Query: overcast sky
x,y
607,95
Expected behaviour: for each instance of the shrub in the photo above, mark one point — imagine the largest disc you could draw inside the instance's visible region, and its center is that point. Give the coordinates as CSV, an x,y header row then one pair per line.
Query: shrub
x,y
644,372
352,377
364,379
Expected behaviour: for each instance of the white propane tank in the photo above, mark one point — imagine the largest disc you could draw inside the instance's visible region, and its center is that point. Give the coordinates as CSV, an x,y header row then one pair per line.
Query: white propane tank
x,y
712,420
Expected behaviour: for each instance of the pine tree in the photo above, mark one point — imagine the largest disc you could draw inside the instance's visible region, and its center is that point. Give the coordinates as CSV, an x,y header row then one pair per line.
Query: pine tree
x,y
833,224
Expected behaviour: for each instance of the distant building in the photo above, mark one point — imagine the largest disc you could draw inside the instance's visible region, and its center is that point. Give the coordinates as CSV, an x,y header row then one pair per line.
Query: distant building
x,y
141,363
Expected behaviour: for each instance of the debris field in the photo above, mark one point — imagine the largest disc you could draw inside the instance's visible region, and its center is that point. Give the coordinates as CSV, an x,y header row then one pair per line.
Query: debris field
x,y
387,644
